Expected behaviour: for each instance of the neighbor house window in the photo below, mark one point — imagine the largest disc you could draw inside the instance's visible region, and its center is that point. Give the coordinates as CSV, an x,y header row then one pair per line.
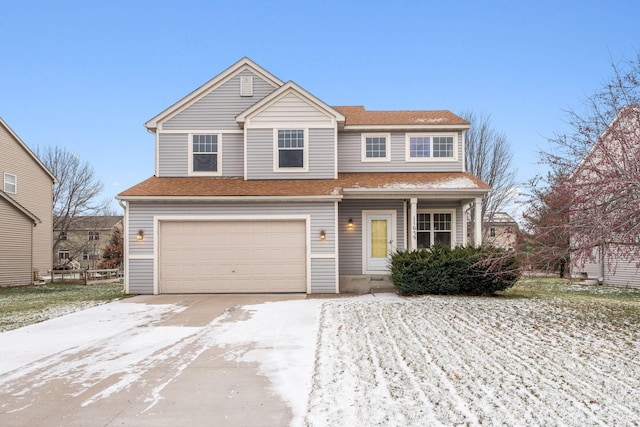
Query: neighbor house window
x,y
375,147
204,155
63,255
86,255
492,232
10,183
291,153
431,147
94,235
63,235
434,228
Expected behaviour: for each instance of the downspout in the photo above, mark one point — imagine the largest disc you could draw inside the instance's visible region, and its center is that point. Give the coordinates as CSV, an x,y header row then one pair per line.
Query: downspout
x,y
125,249
601,266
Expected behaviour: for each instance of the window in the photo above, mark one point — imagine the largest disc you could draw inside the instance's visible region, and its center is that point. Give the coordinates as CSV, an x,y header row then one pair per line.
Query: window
x,y
431,147
204,155
63,255
291,151
63,235
86,255
492,232
10,183
375,147
434,228
94,235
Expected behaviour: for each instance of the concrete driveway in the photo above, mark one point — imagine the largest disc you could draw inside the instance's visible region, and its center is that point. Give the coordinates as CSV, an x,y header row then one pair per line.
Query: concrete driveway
x,y
146,361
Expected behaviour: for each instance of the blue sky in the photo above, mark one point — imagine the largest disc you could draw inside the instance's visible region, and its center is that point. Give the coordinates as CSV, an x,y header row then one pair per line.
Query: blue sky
x,y
86,75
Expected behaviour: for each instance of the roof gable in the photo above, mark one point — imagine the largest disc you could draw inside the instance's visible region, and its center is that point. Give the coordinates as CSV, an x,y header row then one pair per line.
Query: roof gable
x,y
238,67
34,219
27,149
282,92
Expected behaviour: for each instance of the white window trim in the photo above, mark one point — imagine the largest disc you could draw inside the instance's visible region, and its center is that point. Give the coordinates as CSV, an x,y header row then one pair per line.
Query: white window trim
x,y
91,235
305,151
363,144
407,147
15,183
453,224
190,171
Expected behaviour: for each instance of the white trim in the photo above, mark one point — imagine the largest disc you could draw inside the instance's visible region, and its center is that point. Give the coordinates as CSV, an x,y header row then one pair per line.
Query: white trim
x,y
322,255
363,147
190,170
335,153
432,211
414,224
412,128
287,125
305,152
336,246
200,131
157,219
365,233
15,183
430,135
157,153
127,255
464,152
244,160
141,256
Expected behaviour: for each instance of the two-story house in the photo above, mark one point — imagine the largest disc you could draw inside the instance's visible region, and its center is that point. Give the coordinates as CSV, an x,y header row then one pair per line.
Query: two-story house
x,y
260,186
83,243
26,212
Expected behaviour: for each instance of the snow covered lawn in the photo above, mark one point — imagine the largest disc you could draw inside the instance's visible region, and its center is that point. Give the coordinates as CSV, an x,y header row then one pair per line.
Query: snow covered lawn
x,y
474,361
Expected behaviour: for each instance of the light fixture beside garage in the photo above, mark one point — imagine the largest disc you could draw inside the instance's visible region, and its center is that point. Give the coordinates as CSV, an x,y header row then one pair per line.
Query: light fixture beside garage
x,y
140,235
350,225
323,235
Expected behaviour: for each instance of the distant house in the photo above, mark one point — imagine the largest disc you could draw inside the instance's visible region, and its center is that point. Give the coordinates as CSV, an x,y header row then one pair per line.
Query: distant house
x,y
611,240
260,186
26,211
501,231
82,244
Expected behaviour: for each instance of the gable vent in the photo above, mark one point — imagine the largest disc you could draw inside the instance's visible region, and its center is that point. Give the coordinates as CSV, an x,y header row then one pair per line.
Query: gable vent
x,y
246,85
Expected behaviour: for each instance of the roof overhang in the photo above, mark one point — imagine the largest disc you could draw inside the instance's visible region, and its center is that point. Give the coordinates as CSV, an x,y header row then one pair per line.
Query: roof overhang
x,y
410,128
331,198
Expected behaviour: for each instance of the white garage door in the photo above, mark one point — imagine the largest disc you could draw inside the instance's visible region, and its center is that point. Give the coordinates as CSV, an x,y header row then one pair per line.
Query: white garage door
x,y
232,256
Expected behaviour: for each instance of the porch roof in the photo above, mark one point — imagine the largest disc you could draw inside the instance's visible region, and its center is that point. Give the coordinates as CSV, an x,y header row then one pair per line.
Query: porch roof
x,y
402,184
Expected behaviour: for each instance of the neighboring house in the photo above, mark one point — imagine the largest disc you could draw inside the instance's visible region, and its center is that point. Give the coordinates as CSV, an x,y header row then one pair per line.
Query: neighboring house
x,y
26,212
611,236
85,240
262,187
501,231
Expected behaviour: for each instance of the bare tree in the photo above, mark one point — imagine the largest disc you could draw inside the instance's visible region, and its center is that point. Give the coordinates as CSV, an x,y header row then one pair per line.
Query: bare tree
x,y
488,156
77,192
602,154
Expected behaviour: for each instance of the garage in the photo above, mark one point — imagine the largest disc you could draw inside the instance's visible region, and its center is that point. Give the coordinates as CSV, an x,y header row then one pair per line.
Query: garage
x,y
232,256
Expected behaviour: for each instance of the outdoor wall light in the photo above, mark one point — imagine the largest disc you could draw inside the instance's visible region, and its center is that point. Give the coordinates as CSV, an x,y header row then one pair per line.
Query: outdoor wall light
x,y
323,235
350,224
140,235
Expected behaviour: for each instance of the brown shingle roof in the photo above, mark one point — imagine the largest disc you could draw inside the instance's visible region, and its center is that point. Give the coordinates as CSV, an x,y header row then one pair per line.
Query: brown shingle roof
x,y
357,115
237,187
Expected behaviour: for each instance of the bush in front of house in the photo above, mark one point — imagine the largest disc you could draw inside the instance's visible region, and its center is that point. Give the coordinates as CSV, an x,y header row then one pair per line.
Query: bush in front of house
x,y
446,271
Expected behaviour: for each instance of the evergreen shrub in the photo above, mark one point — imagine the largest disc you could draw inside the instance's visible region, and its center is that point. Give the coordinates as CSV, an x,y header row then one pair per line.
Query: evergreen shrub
x,y
446,271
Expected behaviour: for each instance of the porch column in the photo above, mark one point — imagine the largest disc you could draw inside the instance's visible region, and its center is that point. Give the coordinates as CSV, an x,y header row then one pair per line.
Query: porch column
x,y
477,222
413,238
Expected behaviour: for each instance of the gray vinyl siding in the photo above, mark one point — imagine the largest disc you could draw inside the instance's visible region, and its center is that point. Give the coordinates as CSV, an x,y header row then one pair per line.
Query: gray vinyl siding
x,y
35,193
350,251
260,155
141,276
173,154
323,275
218,109
350,156
141,217
15,246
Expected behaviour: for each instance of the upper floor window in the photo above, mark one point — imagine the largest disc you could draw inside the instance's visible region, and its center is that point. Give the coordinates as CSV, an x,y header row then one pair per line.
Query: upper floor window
x,y
94,235
204,155
375,147
291,153
431,147
10,183
492,232
63,235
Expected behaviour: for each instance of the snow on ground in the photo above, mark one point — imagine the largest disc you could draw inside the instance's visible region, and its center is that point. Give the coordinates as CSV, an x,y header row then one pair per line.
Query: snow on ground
x,y
378,361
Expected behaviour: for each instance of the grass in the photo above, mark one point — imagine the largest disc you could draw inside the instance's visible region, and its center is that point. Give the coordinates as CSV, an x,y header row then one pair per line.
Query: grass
x,y
24,305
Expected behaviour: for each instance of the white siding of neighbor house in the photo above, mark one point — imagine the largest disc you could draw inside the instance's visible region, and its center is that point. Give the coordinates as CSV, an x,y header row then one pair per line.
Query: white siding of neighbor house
x,y
141,217
35,193
15,246
618,270
260,155
218,109
350,156
173,153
